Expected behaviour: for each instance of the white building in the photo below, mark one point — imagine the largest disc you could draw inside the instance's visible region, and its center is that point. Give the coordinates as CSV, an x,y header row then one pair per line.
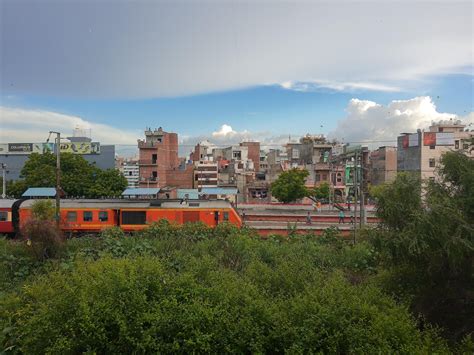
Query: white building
x,y
130,170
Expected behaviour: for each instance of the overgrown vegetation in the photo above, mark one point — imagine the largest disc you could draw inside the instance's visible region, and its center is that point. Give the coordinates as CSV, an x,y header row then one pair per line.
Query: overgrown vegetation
x,y
195,289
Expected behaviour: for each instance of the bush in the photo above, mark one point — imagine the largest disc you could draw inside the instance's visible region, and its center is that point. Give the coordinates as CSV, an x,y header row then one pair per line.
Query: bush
x,y
141,305
44,239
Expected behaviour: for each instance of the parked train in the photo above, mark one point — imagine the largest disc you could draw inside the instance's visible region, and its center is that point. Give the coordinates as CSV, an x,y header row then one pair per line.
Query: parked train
x,y
80,216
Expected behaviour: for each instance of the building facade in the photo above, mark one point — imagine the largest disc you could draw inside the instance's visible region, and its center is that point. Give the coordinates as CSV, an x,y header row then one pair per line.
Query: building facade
x,y
421,152
15,155
383,165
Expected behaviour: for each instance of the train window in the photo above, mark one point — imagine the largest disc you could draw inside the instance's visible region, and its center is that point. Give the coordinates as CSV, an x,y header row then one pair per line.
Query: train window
x,y
103,216
134,217
87,217
226,216
3,216
71,216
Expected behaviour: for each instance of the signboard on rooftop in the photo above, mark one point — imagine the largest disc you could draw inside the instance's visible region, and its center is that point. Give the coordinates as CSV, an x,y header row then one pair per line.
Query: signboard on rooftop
x,y
40,148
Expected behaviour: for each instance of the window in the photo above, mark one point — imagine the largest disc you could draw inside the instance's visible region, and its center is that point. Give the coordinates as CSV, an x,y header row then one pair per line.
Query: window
x,y
465,146
432,163
134,217
456,144
295,153
317,177
155,174
71,216
432,146
103,216
226,216
154,157
87,217
324,177
3,216
129,173
339,177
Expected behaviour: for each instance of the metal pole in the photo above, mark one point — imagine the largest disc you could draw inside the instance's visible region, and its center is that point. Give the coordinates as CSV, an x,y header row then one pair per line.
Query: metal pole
x,y
354,184
361,187
58,177
4,184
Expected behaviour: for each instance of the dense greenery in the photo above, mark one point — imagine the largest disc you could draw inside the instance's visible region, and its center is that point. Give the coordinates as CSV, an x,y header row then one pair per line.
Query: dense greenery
x,y
427,240
290,187
78,177
193,289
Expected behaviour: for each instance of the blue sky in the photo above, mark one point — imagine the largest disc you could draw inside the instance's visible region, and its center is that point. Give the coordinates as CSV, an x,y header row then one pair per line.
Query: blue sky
x,y
354,71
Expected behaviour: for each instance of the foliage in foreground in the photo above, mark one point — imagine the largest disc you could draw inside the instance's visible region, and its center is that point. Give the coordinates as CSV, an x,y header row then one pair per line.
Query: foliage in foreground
x,y
220,291
427,242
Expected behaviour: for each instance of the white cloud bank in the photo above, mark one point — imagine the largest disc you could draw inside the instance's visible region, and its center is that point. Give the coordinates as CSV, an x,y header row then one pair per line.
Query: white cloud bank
x,y
379,125
137,49
24,125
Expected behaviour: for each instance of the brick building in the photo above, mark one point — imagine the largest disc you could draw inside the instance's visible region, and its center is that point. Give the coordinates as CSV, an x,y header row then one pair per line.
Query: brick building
x,y
159,164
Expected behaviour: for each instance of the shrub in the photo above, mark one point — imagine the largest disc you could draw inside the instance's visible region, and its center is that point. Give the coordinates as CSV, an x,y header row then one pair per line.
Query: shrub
x,y
44,239
140,305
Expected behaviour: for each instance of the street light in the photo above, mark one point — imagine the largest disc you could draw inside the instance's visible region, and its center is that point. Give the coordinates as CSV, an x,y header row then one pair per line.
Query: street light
x,y
58,174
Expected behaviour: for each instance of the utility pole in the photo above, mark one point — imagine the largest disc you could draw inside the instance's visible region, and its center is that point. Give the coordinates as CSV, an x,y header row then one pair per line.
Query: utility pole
x,y
58,175
355,181
362,197
4,184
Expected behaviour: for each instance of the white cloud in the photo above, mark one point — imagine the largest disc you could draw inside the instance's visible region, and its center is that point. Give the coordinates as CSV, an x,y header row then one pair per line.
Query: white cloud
x,y
379,125
26,125
315,85
133,49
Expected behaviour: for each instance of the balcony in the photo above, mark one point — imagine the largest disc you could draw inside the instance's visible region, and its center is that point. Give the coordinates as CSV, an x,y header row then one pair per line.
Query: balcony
x,y
147,162
145,144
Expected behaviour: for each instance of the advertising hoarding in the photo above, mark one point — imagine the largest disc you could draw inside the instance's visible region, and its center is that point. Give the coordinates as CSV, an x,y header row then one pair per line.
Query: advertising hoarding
x,y
20,147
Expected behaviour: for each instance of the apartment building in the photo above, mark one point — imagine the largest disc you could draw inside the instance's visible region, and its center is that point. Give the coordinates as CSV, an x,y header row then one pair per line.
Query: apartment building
x,y
383,165
421,152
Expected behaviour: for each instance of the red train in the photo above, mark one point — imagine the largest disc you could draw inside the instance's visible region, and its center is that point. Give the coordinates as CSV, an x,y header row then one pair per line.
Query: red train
x,y
91,216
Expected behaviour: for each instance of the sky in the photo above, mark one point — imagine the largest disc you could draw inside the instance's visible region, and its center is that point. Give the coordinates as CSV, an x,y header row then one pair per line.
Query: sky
x,y
232,70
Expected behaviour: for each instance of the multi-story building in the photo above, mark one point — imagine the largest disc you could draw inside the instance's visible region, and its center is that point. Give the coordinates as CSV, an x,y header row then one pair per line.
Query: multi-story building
x,y
420,152
253,153
15,155
130,170
383,165
159,164
205,174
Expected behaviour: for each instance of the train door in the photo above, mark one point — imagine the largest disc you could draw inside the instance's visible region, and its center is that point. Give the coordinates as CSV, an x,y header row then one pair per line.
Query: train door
x,y
216,217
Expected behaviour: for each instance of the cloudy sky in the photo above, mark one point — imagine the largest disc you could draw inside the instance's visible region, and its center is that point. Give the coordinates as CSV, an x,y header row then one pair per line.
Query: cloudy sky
x,y
233,70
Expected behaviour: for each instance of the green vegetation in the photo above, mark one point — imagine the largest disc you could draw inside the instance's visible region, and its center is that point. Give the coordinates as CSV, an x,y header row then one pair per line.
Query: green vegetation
x,y
194,289
290,186
78,177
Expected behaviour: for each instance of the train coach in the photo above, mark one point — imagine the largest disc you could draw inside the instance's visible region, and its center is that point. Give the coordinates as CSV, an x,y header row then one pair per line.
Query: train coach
x,y
92,216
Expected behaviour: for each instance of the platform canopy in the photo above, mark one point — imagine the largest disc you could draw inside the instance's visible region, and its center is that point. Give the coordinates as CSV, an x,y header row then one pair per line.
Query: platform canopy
x,y
218,191
192,194
141,191
40,192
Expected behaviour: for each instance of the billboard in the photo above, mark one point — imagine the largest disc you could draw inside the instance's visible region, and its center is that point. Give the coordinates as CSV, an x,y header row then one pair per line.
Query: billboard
x,y
67,147
438,138
20,147
80,147
429,138
444,138
410,140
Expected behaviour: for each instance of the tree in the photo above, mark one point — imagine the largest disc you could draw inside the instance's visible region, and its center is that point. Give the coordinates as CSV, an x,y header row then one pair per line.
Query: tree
x,y
427,235
108,182
290,185
319,192
79,178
